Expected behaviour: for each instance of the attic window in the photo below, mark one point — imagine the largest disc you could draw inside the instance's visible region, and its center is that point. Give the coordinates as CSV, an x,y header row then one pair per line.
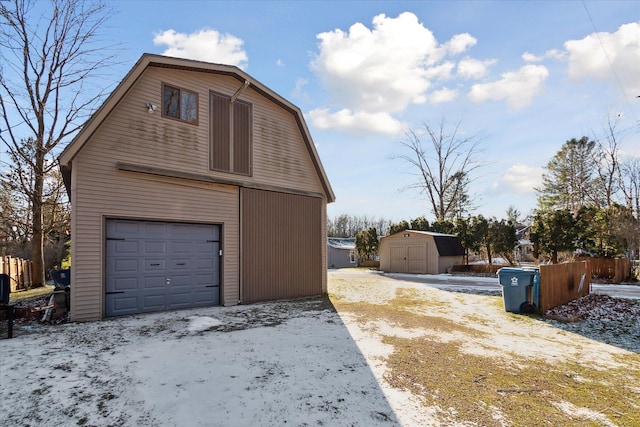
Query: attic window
x,y
180,104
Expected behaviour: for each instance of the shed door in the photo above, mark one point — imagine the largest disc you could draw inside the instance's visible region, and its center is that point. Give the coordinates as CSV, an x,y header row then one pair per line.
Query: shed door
x,y
416,259
397,259
408,259
154,266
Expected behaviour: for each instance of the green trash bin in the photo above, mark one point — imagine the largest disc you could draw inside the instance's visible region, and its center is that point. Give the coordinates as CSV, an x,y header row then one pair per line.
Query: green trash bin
x,y
520,289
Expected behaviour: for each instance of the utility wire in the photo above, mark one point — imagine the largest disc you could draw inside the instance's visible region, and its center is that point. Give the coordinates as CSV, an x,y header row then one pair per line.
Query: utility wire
x,y
606,55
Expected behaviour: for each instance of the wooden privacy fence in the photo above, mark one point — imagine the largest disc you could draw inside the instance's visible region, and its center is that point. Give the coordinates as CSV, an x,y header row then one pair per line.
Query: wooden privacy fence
x,y
562,283
614,269
19,270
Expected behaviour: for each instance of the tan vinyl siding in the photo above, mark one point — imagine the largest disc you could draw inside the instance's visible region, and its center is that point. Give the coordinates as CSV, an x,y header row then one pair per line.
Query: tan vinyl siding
x,y
281,246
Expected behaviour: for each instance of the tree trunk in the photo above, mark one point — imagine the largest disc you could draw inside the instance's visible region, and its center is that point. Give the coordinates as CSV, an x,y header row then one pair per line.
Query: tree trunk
x,y
37,240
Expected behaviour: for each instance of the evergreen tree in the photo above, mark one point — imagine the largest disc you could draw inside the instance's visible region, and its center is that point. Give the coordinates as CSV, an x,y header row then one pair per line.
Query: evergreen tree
x,y
554,232
569,181
367,243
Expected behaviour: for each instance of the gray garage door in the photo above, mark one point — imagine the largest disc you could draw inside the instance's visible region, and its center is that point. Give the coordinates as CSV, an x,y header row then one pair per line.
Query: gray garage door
x,y
155,266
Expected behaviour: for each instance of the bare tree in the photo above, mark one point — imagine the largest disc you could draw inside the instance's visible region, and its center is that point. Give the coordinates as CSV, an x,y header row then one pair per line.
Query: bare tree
x,y
630,184
16,214
443,164
605,157
50,53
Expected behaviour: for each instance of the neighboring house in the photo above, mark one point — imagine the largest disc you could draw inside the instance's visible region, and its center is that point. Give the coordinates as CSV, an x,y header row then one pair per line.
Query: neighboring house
x,y
341,252
193,185
421,252
524,249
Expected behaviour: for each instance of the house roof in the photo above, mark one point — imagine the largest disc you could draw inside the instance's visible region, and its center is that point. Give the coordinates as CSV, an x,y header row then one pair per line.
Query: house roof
x,y
342,243
148,60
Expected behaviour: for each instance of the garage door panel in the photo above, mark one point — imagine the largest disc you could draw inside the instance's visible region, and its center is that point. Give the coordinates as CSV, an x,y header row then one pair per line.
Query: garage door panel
x,y
178,280
124,247
123,229
154,265
125,284
181,264
201,298
124,305
154,247
121,265
203,247
203,279
151,229
181,299
152,282
153,302
203,264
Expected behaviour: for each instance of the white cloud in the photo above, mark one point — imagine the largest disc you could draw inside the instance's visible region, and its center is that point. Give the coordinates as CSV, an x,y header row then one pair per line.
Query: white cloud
x,y
203,45
280,62
552,54
356,121
555,54
442,95
530,57
470,68
385,68
517,88
298,91
460,43
521,179
611,56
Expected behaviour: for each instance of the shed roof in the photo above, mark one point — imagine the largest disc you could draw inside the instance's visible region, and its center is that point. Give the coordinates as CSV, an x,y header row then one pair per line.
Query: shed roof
x,y
151,60
449,245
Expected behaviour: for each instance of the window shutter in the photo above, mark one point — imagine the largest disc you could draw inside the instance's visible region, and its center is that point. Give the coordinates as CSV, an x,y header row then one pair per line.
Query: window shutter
x,y
242,138
219,128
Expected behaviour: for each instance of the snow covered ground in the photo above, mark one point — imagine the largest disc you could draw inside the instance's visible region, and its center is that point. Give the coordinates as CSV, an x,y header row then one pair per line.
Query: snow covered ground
x,y
285,363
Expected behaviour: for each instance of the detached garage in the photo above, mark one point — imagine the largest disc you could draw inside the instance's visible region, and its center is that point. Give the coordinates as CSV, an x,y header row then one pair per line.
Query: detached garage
x,y
193,185
420,252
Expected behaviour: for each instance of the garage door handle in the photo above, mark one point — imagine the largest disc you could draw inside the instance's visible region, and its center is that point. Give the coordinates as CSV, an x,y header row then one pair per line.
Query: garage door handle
x,y
212,286
182,263
114,292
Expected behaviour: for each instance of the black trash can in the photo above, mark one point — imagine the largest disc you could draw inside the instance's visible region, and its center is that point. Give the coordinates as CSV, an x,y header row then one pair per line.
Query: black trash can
x,y
5,288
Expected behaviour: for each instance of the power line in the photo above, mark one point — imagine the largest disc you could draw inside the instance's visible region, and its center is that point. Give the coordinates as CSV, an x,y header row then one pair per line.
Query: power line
x,y
606,55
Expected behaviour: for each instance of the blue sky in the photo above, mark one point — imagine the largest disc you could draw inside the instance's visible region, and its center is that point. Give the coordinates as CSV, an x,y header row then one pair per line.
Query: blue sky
x,y
522,77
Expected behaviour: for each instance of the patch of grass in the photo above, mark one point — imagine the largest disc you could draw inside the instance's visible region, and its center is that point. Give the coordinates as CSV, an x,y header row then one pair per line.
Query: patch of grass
x,y
476,389
513,390
396,313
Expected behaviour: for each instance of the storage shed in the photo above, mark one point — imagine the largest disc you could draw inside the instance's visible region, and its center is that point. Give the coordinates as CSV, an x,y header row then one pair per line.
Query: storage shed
x,y
193,185
420,252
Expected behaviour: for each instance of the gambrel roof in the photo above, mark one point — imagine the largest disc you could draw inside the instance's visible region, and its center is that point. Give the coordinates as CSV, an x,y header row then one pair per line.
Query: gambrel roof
x,y
151,60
